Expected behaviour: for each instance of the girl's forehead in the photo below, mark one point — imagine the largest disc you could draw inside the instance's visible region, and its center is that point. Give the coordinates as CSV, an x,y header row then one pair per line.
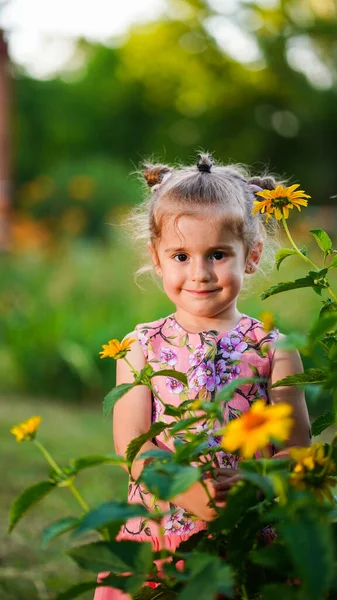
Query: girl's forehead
x,y
196,230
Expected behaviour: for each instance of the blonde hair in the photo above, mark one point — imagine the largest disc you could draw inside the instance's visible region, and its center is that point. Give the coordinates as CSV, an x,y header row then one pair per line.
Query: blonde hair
x,y
184,190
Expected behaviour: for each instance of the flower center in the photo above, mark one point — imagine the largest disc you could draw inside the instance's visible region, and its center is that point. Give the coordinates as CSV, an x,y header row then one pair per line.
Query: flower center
x,y
281,201
254,420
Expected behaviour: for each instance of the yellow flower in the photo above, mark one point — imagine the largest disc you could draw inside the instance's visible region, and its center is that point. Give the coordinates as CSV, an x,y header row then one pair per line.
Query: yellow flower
x,y
116,349
279,201
256,428
312,472
268,321
307,459
26,430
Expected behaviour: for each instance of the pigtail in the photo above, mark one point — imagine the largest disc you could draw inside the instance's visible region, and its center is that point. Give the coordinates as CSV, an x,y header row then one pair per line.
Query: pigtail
x,y
205,162
154,174
264,183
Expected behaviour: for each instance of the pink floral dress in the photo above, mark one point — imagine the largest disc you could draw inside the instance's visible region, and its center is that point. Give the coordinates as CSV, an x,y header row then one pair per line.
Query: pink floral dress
x,y
210,360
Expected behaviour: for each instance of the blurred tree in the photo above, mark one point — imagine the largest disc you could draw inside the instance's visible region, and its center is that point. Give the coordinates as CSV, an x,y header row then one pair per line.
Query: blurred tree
x,y
254,82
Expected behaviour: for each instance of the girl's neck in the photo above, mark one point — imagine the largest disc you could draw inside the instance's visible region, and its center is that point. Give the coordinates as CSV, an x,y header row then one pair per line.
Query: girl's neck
x,y
226,321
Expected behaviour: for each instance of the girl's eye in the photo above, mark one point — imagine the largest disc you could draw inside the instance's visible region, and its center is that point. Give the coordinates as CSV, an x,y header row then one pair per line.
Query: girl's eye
x,y
180,257
218,255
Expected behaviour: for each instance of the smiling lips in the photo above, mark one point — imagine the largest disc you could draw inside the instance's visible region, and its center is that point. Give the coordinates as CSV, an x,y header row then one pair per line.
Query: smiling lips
x,y
201,292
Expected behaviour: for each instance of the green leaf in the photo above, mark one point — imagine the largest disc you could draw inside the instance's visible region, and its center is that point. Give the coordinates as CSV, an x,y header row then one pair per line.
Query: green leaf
x,y
292,341
325,323
263,466
333,263
282,254
93,460
115,394
115,557
77,590
322,239
129,585
183,340
207,575
308,541
136,444
167,480
27,499
110,512
309,376
171,373
323,422
280,591
260,481
285,286
58,528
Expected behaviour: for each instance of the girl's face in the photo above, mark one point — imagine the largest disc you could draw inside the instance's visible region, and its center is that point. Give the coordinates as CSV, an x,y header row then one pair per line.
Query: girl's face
x,y
202,265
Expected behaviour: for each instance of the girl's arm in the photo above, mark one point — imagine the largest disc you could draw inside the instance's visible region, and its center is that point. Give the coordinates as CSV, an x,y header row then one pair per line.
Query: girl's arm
x,y
133,416
289,363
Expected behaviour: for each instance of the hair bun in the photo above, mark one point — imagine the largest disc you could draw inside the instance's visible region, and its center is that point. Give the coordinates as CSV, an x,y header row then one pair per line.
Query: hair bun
x,y
265,183
204,163
154,174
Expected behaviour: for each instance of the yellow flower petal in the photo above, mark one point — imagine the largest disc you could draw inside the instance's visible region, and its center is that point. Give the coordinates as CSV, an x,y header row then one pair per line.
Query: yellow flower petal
x,y
26,430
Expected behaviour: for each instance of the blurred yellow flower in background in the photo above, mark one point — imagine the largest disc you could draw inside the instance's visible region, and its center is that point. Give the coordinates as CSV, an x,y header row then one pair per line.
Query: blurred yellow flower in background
x,y
268,321
257,428
26,430
116,349
277,202
312,469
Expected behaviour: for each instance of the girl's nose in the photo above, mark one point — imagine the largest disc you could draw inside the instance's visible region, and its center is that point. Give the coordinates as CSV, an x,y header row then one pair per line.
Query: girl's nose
x,y
200,271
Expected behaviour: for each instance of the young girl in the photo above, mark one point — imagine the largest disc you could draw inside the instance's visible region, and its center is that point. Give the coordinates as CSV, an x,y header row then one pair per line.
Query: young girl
x,y
204,240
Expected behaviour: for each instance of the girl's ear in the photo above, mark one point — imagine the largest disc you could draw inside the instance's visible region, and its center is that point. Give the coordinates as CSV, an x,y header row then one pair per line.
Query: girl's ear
x,y
254,257
155,259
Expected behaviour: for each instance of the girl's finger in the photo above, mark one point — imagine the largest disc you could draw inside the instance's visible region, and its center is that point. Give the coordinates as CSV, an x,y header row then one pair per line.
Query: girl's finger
x,y
226,484
223,472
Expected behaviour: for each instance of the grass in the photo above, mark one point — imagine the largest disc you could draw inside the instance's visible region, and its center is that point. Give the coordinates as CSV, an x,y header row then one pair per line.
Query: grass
x,y
28,570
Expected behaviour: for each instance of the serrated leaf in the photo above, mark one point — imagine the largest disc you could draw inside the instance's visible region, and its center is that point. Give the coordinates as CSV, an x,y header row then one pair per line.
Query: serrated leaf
x,y
309,376
115,557
261,481
58,528
282,254
285,286
115,394
27,499
167,480
323,422
93,460
136,444
110,512
171,373
322,239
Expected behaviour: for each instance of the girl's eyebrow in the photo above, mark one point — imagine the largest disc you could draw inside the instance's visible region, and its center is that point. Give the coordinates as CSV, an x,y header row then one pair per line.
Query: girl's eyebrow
x,y
211,249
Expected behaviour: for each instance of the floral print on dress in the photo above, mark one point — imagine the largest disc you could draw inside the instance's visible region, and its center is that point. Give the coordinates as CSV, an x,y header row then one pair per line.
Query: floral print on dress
x,y
210,360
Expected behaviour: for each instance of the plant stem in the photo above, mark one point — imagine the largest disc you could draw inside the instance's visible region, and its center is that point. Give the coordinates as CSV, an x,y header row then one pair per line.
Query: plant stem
x,y
329,289
60,472
79,498
136,374
244,592
48,457
294,245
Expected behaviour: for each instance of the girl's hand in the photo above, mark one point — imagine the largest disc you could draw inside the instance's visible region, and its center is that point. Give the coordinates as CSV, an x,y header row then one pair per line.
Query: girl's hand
x,y
224,481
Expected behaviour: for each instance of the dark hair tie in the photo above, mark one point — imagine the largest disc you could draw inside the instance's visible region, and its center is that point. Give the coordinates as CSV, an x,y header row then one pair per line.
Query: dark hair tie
x,y
204,163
